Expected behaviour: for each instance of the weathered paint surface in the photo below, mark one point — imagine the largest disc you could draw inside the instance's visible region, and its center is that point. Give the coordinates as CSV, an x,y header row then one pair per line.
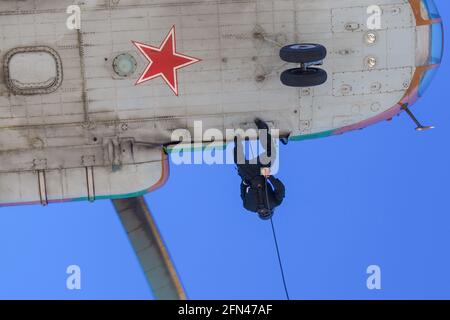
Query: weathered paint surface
x,y
96,134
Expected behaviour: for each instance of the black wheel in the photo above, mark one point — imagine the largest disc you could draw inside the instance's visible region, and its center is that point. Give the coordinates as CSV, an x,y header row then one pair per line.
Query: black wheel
x,y
303,53
298,77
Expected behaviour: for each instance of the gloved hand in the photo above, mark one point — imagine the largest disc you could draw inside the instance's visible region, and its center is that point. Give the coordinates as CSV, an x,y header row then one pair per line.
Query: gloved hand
x,y
265,172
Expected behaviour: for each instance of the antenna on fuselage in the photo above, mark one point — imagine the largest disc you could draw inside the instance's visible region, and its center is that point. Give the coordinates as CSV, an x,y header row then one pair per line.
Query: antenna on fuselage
x,y
419,127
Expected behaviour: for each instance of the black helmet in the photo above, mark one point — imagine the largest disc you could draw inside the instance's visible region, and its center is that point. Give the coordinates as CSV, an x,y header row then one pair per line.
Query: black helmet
x,y
265,214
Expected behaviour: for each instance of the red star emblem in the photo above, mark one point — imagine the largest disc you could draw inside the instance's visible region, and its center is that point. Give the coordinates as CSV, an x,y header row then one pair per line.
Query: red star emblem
x,y
164,61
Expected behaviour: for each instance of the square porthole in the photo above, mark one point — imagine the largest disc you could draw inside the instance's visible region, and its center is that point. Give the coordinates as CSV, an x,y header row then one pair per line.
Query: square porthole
x,y
32,70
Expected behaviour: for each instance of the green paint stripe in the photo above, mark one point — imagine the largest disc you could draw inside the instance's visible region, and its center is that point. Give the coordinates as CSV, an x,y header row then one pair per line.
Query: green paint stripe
x,y
318,135
114,196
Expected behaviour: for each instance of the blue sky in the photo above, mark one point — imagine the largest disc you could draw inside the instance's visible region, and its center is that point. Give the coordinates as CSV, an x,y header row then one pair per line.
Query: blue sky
x,y
378,196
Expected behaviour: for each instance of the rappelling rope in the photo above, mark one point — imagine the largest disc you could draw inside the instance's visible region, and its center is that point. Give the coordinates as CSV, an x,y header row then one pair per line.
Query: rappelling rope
x,y
280,262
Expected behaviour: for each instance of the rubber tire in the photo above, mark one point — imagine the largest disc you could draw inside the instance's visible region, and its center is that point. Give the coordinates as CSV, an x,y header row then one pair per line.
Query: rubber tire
x,y
303,53
298,77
